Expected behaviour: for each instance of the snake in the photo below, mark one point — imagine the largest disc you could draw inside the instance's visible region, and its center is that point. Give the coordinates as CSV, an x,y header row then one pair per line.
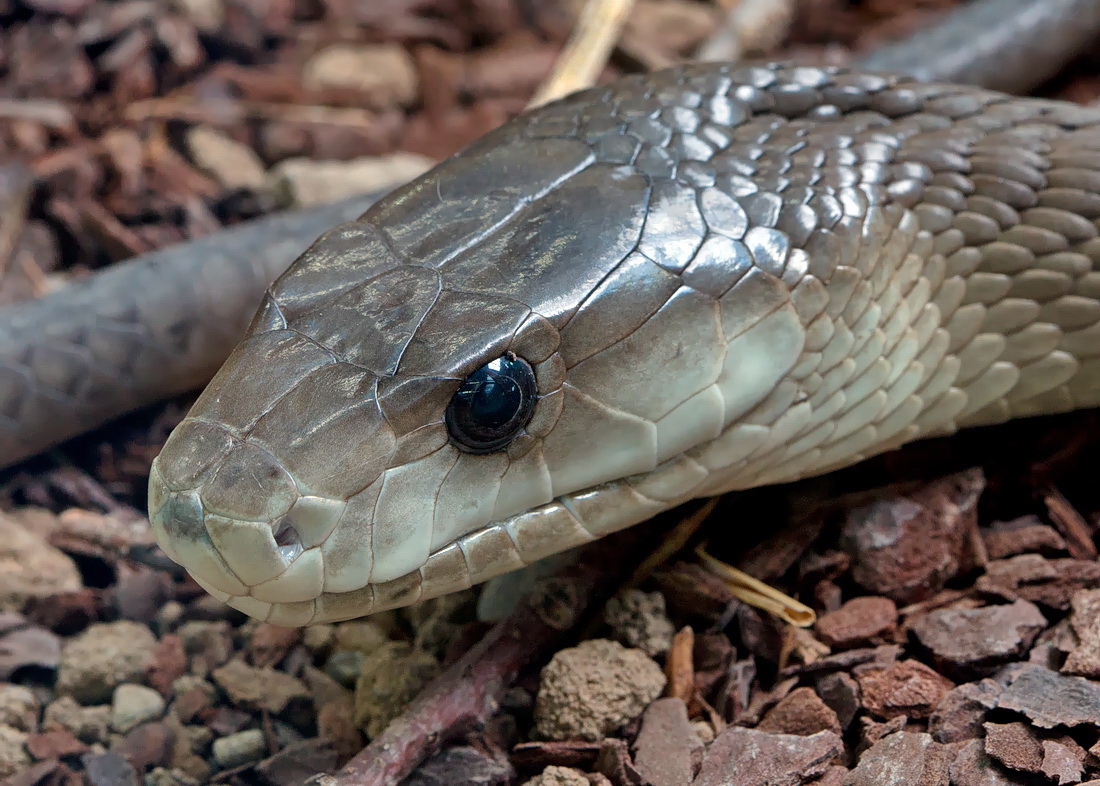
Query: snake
x,y
681,284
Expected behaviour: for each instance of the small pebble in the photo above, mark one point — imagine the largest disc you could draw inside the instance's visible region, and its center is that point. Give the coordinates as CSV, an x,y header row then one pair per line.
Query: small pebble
x,y
54,745
559,776
102,658
253,689
639,619
207,15
385,72
959,714
191,761
903,757
189,682
859,621
133,705
344,666
363,636
88,724
1050,699
108,769
908,547
207,644
965,640
666,747
1015,745
30,567
704,731
169,662
322,687
588,691
13,754
1084,660
758,757
1020,536
19,708
301,182
906,688
391,677
318,639
199,737
168,617
159,776
800,712
240,748
233,164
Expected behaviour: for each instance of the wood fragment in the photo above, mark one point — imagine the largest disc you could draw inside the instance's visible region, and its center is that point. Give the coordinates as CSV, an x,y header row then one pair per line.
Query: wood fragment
x,y
680,666
1070,524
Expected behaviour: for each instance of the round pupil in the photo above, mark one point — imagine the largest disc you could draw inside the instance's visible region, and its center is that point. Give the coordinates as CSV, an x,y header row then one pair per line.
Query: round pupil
x,y
493,405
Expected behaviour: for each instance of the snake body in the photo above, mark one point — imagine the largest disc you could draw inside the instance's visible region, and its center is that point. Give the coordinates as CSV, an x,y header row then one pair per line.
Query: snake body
x,y
723,276
162,323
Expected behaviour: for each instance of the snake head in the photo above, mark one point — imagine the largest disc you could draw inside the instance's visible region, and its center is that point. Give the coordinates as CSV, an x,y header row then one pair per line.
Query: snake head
x,y
603,309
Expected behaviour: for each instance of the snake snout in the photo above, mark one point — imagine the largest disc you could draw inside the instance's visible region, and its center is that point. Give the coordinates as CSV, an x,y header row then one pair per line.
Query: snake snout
x,y
232,515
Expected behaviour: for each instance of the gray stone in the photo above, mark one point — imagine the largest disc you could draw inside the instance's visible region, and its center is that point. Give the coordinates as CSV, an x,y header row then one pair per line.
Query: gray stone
x,y
240,748
132,705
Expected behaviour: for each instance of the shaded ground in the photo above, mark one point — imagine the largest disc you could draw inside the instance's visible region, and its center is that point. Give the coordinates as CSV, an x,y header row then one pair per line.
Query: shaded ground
x,y
958,637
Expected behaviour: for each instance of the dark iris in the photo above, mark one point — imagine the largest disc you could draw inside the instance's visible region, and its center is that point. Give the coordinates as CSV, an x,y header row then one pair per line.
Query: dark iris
x,y
493,405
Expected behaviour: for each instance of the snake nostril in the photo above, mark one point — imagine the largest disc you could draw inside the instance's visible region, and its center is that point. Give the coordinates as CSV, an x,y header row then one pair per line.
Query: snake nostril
x,y
288,540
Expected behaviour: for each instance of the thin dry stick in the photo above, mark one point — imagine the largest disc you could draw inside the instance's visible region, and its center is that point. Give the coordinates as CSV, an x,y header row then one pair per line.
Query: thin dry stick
x,y
586,52
671,543
467,693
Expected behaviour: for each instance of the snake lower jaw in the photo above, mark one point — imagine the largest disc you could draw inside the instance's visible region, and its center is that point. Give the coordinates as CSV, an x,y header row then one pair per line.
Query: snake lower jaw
x,y
275,571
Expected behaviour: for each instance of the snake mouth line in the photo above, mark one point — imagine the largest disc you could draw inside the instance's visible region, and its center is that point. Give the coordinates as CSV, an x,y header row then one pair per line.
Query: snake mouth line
x,y
493,549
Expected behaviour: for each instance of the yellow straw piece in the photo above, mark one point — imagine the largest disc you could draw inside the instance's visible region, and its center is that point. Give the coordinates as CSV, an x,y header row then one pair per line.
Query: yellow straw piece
x,y
586,52
757,593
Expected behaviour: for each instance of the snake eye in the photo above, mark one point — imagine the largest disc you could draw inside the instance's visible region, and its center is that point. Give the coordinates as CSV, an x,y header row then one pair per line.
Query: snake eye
x,y
493,405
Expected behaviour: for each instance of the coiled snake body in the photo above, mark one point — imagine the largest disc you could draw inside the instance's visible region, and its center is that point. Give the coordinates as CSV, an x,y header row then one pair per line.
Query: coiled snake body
x,y
721,276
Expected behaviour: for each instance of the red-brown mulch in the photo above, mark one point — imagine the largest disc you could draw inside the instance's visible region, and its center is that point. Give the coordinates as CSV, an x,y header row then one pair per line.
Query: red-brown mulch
x,y
956,582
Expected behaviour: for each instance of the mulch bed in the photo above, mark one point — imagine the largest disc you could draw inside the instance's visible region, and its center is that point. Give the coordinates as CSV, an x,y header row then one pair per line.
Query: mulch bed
x,y
956,582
